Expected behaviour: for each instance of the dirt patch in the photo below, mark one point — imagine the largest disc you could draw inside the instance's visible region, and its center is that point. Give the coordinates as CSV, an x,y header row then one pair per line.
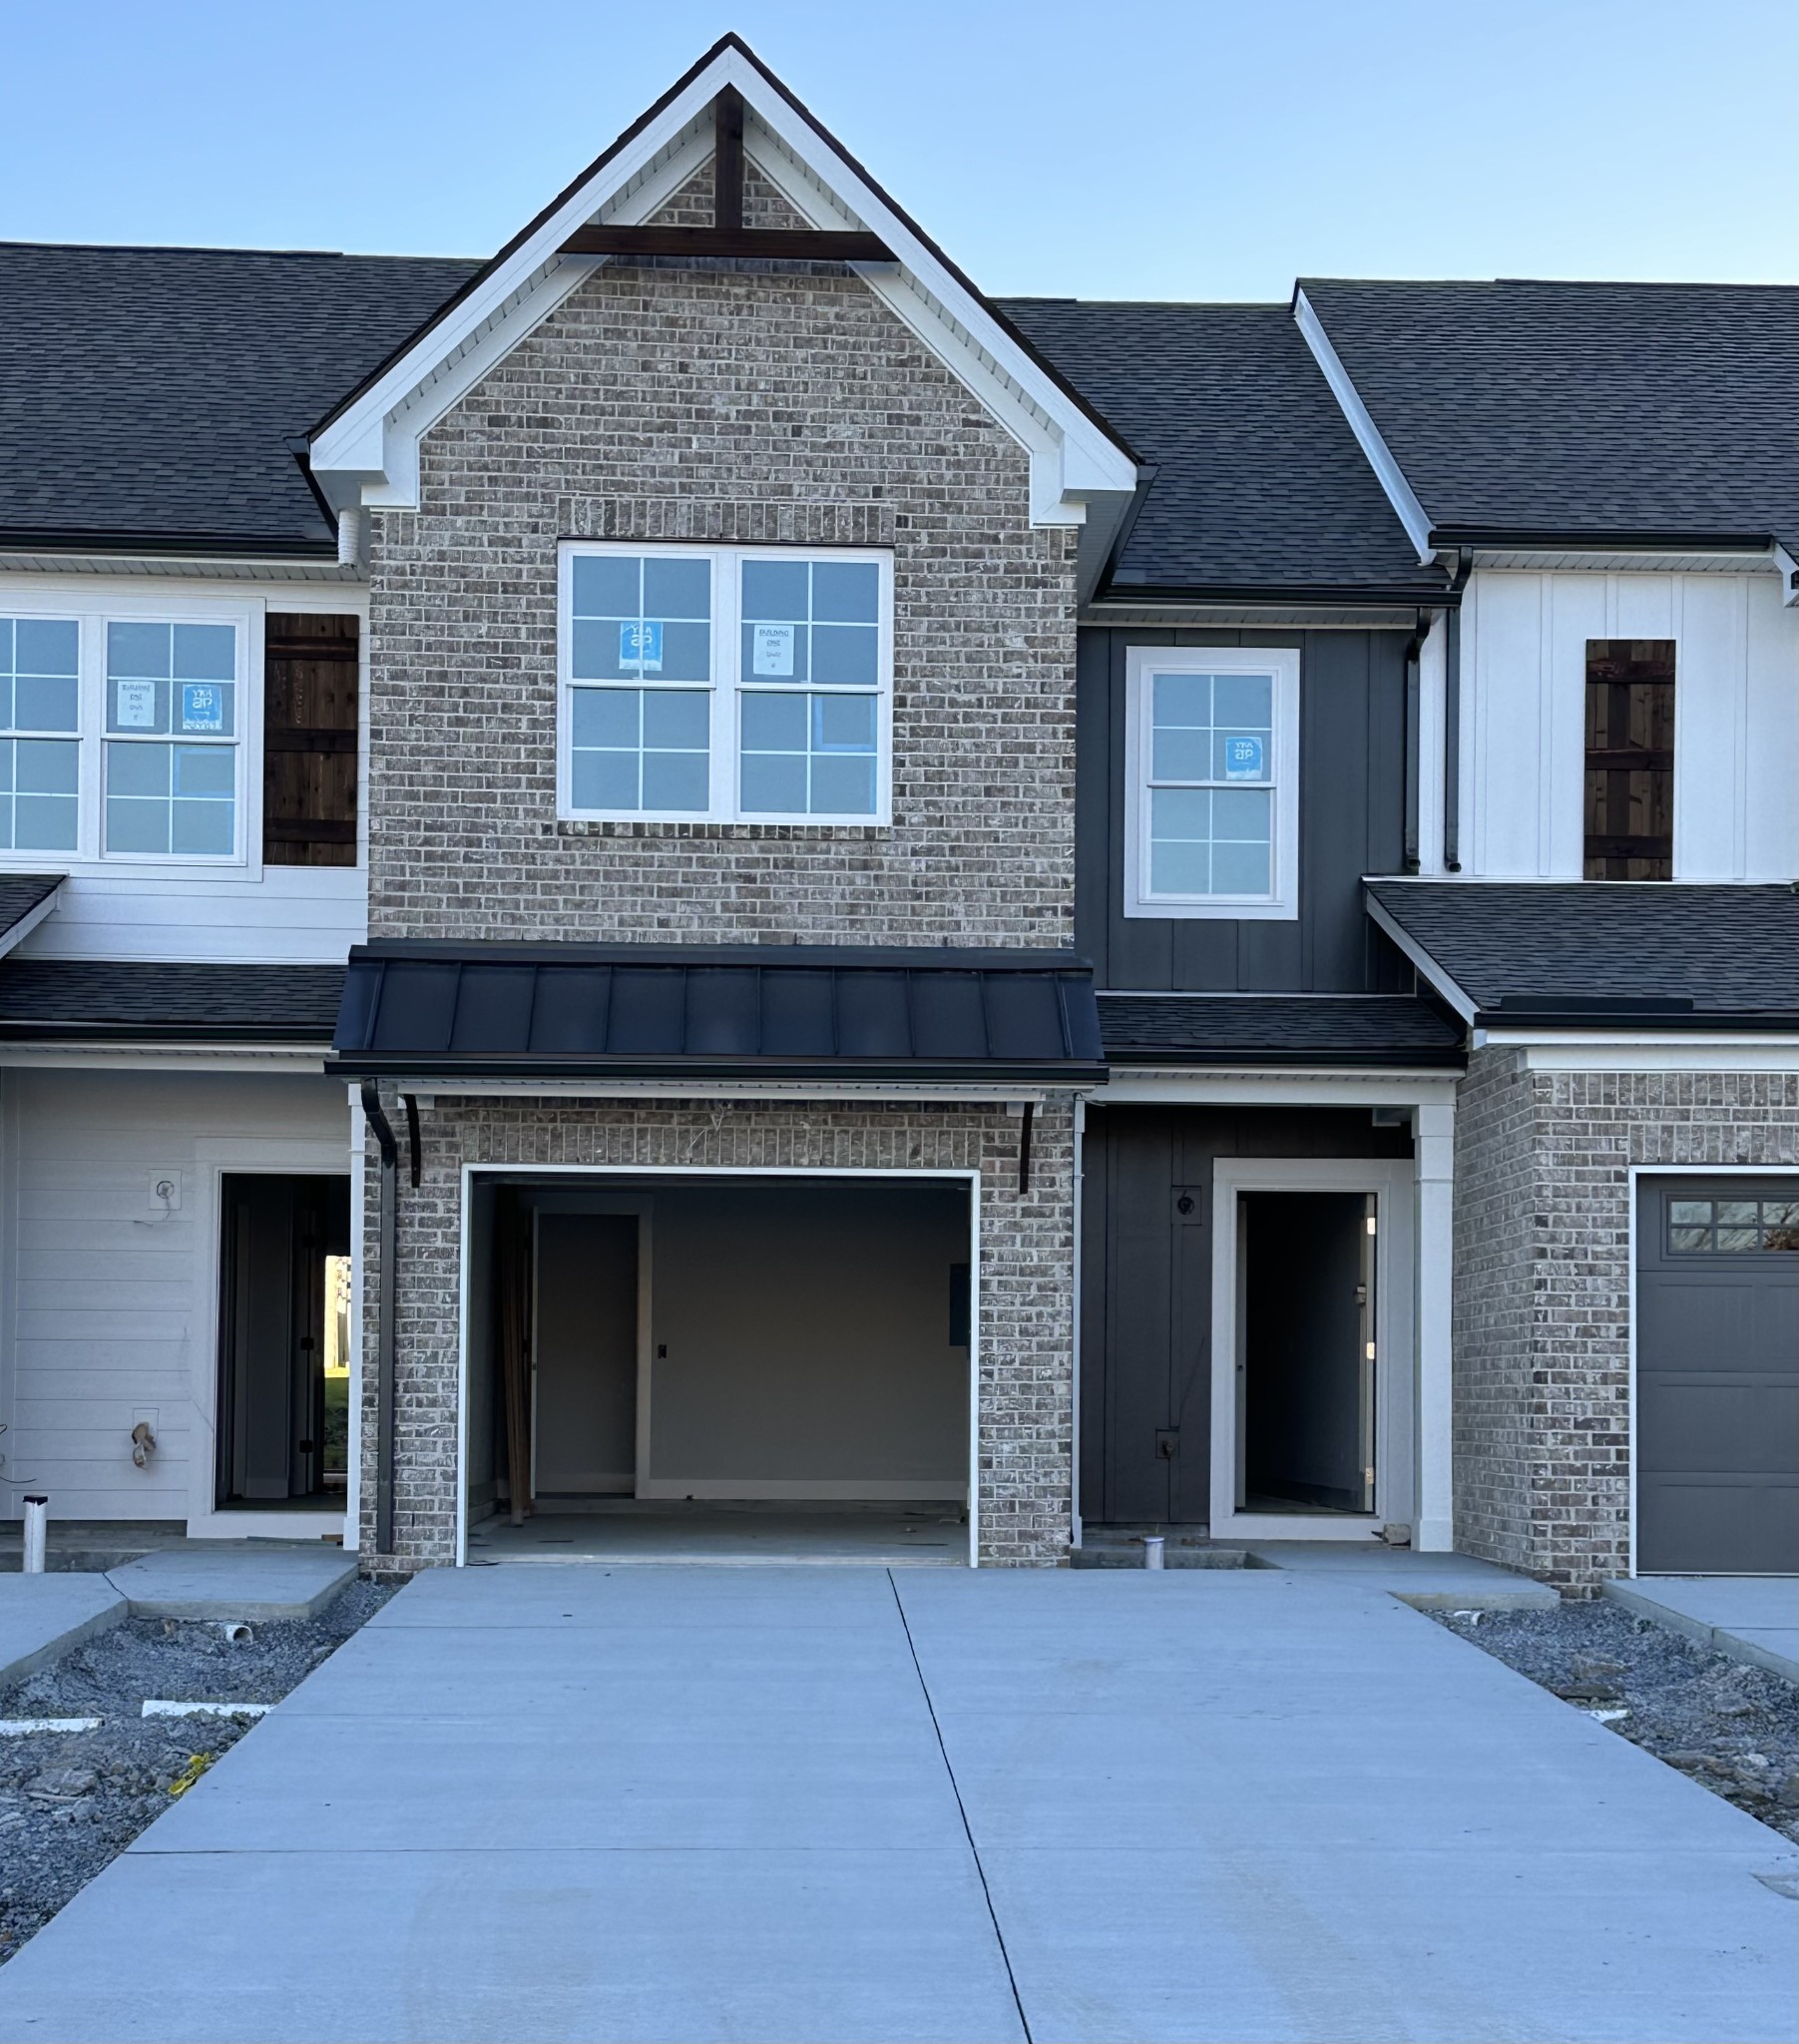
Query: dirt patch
x,y
1734,1730
70,1801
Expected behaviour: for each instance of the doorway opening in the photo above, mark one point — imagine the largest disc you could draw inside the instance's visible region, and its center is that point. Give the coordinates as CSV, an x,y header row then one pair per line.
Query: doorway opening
x,y
283,1341
1306,1409
717,1366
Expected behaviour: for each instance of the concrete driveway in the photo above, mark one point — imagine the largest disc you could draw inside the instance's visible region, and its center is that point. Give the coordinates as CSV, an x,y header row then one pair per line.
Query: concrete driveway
x,y
838,1804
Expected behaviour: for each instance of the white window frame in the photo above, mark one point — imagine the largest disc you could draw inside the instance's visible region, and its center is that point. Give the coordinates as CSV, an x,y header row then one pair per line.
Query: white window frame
x,y
726,687
92,613
1281,902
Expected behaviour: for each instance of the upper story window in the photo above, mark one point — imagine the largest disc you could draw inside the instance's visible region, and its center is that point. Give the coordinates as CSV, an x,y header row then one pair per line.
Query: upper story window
x,y
1212,783
733,684
1629,811
40,699
121,737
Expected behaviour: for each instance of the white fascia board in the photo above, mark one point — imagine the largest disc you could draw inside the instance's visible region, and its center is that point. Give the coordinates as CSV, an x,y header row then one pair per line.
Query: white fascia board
x,y
371,453
1422,961
428,1090
1638,1050
1275,1086
125,1057
1400,494
30,920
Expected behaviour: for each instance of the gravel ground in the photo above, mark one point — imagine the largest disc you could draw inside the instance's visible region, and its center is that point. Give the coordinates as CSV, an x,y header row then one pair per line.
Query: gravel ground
x,y
1734,1730
70,1801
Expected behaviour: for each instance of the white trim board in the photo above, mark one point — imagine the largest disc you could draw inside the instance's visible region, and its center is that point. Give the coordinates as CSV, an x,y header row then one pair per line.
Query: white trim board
x,y
1642,1051
1274,1086
1400,494
368,452
651,1174
1390,1180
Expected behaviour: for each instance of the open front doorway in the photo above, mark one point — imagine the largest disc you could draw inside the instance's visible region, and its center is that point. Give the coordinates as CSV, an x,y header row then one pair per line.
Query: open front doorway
x,y
1313,1375
717,1366
283,1341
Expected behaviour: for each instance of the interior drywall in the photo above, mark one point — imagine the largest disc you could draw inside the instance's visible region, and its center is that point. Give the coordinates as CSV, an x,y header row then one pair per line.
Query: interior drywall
x,y
801,1336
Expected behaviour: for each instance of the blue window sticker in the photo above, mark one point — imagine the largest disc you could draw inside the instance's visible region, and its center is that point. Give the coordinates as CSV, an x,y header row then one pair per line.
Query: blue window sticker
x,y
641,645
1243,758
203,707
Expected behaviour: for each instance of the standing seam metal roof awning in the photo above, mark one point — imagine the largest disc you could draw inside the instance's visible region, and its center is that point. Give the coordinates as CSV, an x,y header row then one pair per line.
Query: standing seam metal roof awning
x,y
669,1012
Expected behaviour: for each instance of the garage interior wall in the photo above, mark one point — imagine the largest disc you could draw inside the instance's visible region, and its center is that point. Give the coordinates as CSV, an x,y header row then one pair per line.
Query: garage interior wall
x,y
801,1339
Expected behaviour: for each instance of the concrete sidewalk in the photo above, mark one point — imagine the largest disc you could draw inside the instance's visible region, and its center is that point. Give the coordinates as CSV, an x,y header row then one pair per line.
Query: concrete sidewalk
x,y
696,1803
1750,1618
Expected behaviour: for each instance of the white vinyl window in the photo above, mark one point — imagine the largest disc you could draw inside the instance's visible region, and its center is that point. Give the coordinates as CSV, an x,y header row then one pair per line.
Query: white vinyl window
x,y
1212,783
122,731
40,726
726,684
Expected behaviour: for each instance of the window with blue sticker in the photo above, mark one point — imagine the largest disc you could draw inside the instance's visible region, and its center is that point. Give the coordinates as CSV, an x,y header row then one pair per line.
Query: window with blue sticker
x,y
169,767
1211,811
725,683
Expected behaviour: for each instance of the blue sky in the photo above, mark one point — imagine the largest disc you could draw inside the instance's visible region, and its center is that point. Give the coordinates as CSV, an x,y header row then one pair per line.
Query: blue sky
x,y
1189,148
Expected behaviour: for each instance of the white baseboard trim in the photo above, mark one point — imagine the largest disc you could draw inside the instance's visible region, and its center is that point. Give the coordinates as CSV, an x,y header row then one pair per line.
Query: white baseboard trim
x,y
802,1490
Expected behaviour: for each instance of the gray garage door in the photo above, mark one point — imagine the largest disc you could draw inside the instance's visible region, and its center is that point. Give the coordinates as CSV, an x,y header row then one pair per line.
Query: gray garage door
x,y
1717,1376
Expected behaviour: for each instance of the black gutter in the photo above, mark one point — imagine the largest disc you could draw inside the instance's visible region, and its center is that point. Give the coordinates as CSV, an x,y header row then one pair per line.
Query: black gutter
x,y
163,545
1414,650
1372,596
384,1331
27,1029
424,1065
1450,1056
1452,720
1625,1015
1494,537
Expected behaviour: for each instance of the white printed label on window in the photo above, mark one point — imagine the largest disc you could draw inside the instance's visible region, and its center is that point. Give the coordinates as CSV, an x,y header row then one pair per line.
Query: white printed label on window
x,y
1243,758
203,707
135,705
641,646
771,649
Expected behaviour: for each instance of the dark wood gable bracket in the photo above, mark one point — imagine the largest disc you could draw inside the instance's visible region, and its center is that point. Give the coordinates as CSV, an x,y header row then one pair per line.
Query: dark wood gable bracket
x,y
727,237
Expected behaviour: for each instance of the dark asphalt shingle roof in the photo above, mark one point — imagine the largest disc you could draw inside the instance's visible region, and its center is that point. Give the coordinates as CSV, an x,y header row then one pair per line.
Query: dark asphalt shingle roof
x,y
20,893
1368,1029
1261,483
1601,408
148,394
1726,950
43,997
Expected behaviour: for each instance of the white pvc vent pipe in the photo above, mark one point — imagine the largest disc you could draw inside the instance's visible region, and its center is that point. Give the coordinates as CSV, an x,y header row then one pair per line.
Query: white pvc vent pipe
x,y
1153,1545
37,1518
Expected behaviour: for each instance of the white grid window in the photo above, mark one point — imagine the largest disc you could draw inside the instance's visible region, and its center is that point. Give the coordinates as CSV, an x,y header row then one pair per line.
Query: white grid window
x,y
736,683
1212,783
40,697
172,740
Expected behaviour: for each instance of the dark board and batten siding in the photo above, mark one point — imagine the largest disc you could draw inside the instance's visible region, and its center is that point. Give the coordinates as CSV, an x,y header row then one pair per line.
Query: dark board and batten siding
x,y
1351,822
1145,1298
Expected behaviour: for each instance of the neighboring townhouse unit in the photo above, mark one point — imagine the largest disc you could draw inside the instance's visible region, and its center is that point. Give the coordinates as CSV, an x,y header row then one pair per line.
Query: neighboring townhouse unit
x,y
695,880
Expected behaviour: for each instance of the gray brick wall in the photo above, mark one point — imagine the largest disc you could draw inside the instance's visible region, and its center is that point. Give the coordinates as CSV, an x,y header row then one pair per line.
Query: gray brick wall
x,y
1543,1289
764,405
1025,1435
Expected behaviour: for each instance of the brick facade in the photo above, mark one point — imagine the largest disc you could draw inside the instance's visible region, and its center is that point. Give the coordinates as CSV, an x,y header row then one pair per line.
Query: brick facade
x,y
775,403
694,401
1543,1290
1026,1295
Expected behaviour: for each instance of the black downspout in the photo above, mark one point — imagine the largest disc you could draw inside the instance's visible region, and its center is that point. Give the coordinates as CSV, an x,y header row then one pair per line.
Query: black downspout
x,y
1452,721
390,1198
1414,648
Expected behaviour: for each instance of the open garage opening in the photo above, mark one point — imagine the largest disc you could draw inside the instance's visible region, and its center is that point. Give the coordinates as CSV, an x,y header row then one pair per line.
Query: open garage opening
x,y
750,1367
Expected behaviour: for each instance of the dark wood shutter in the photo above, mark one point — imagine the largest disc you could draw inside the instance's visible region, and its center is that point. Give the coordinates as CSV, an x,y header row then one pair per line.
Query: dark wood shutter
x,y
1630,760
310,697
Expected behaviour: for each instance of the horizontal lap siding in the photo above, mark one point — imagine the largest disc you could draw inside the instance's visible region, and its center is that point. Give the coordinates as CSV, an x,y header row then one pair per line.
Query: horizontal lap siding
x,y
1351,822
106,1303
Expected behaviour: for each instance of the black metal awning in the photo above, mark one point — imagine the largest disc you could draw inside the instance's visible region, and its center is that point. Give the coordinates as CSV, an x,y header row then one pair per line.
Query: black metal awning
x,y
720,1012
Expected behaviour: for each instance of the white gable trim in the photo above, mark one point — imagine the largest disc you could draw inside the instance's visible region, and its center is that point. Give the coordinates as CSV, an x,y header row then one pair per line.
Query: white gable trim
x,y
369,452
1391,476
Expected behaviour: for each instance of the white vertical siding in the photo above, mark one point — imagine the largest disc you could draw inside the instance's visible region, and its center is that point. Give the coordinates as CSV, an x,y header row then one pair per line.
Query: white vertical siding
x,y
1736,745
107,1303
